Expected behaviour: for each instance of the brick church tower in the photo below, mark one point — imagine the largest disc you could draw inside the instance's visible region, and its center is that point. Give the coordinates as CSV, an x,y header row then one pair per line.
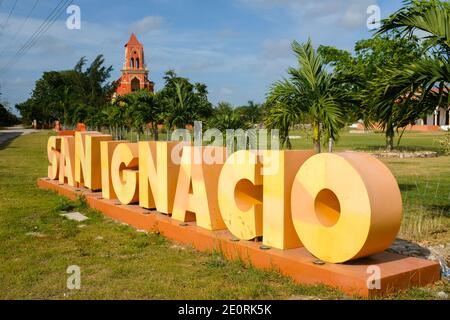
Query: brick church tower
x,y
134,73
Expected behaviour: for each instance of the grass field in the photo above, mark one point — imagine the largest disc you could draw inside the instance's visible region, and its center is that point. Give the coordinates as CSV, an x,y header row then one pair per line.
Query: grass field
x,y
37,244
412,141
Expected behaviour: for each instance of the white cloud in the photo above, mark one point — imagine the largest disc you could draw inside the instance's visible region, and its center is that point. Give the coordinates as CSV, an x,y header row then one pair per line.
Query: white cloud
x,y
147,24
236,63
276,48
227,33
341,13
225,91
59,48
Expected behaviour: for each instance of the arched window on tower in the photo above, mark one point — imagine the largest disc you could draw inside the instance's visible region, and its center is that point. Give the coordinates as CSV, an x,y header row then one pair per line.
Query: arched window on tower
x,y
135,84
132,63
137,63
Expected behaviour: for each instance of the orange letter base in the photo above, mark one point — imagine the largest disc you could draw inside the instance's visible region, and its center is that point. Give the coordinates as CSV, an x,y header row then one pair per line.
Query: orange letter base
x,y
397,272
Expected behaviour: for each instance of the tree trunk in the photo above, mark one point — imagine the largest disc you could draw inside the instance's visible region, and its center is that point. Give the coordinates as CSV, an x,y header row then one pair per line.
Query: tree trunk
x,y
316,137
287,141
155,133
330,145
390,138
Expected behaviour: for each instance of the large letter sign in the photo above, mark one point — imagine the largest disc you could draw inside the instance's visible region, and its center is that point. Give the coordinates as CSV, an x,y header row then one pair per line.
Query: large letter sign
x,y
106,152
67,161
54,155
124,173
157,175
345,206
197,189
279,231
339,207
240,194
87,158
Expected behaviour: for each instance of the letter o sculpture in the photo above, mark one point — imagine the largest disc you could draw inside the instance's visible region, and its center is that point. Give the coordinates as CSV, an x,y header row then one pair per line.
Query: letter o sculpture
x,y
345,206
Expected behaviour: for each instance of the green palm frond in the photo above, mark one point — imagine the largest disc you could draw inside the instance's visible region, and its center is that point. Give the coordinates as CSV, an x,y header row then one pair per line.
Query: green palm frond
x,y
428,16
310,92
406,93
416,85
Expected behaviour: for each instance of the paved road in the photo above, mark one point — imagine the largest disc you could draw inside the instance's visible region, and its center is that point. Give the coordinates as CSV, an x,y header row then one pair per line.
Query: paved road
x,y
13,132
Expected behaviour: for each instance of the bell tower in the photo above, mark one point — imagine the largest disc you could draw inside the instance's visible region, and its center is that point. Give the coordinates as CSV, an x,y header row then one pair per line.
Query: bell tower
x,y
134,72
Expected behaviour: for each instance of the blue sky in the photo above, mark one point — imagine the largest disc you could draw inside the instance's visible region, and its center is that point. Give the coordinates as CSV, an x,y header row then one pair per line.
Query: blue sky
x,y
237,47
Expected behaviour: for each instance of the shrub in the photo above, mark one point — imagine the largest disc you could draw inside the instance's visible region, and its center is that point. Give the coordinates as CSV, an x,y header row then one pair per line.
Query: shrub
x,y
444,144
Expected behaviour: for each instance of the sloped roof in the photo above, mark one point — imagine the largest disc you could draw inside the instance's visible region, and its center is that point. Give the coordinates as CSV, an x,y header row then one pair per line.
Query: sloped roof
x,y
133,41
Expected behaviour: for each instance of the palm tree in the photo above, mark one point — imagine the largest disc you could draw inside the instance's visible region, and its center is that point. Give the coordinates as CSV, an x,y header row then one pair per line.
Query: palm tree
x,y
111,114
430,16
115,115
145,110
227,119
252,112
310,93
180,107
419,87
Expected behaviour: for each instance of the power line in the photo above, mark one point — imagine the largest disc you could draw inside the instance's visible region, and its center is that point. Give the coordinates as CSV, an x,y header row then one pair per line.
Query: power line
x,y
20,28
54,14
9,16
37,35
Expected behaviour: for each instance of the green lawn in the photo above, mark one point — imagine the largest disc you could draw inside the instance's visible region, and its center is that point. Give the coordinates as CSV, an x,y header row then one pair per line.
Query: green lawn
x,y
413,141
37,244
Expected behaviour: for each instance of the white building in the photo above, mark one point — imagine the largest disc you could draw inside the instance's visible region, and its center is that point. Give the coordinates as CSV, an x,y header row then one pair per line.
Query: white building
x,y
440,117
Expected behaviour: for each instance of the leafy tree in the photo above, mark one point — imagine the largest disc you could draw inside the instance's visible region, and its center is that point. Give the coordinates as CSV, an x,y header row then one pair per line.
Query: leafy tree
x,y
223,107
183,102
252,113
139,109
226,117
69,96
430,16
417,87
355,75
310,93
7,118
114,115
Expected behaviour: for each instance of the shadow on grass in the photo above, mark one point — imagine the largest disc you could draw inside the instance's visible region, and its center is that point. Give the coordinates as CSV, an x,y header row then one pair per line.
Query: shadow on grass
x,y
7,137
402,248
441,209
407,187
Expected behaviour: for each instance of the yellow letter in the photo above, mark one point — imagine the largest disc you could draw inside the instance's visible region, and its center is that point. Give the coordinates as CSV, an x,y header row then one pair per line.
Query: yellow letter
x,y
197,188
124,172
53,154
278,229
158,175
66,161
345,206
107,149
87,158
240,194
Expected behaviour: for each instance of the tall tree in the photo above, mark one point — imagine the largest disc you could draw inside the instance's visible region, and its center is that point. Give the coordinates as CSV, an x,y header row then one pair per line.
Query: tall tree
x,y
356,74
419,86
140,108
182,101
7,118
252,113
226,117
309,93
69,95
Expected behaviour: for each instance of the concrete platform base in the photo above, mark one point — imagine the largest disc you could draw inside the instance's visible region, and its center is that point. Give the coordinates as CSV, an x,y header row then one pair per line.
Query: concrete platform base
x,y
396,272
